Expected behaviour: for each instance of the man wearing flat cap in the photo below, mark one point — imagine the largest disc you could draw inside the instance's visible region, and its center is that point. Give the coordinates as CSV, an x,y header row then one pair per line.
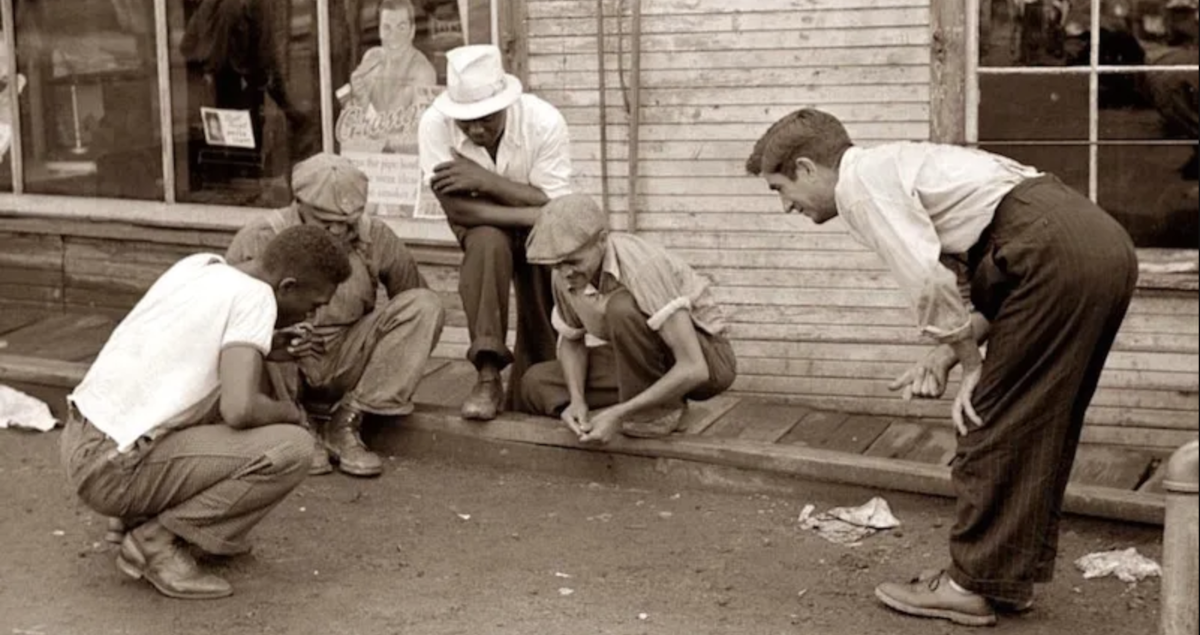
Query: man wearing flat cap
x,y
358,357
663,331
493,157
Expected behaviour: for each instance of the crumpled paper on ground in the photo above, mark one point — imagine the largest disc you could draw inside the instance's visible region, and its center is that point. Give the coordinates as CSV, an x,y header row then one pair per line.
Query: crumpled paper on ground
x,y
850,525
19,410
1128,565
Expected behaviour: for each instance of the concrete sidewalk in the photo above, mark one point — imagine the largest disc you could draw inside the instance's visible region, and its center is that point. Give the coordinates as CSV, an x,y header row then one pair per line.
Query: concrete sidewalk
x,y
45,354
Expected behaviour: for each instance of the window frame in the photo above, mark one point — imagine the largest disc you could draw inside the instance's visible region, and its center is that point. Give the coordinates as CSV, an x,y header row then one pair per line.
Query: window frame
x,y
955,115
507,29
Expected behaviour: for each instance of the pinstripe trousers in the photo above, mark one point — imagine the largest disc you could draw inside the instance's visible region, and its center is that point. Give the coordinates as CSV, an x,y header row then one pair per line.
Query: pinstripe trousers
x,y
1054,274
208,484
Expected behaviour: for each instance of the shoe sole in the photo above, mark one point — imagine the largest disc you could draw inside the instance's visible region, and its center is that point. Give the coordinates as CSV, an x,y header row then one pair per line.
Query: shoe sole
x,y
133,570
958,617
334,461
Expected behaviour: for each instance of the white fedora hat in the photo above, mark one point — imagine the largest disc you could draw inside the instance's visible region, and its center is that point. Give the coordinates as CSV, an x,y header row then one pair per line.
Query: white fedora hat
x,y
476,84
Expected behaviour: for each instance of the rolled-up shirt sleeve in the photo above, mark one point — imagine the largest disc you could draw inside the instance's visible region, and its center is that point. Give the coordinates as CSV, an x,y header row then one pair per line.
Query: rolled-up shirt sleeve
x,y
563,317
903,235
434,142
551,170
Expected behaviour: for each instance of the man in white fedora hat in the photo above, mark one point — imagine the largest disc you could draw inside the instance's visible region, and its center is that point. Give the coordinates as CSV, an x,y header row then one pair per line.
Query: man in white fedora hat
x,y
494,157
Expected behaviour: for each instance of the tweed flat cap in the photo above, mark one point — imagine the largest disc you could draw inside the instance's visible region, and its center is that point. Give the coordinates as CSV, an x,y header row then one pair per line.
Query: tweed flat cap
x,y
331,183
566,225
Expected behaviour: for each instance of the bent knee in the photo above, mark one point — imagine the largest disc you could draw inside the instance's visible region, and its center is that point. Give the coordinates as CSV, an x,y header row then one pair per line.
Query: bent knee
x,y
291,448
487,240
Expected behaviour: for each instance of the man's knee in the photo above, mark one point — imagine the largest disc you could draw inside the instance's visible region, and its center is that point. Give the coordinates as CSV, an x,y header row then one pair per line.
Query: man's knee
x,y
487,242
290,450
541,388
418,303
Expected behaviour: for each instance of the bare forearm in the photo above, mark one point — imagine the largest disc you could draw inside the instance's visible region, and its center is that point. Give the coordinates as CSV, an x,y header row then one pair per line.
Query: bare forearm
x,y
513,194
264,411
573,355
980,327
476,212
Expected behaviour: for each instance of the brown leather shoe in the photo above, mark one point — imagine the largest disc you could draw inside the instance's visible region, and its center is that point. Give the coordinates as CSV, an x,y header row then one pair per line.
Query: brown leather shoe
x,y
657,425
346,448
170,569
937,598
485,402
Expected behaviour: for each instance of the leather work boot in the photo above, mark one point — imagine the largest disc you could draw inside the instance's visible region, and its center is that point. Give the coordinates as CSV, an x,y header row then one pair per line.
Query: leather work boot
x,y
936,597
486,400
320,465
153,553
655,424
346,447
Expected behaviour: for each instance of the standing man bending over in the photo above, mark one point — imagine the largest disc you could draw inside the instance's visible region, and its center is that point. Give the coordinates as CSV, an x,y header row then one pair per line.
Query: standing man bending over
x,y
1051,278
169,431
363,358
663,328
494,157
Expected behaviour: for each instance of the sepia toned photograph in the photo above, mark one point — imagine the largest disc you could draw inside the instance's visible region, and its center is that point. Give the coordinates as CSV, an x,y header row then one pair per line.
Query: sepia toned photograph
x,y
599,317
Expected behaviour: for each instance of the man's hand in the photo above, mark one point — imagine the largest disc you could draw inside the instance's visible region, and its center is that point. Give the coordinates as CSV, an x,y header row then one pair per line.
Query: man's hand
x,y
969,356
602,427
296,342
927,378
576,418
461,177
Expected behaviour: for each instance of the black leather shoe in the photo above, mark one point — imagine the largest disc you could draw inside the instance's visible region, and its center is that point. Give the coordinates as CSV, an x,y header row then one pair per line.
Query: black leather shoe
x,y
346,448
485,402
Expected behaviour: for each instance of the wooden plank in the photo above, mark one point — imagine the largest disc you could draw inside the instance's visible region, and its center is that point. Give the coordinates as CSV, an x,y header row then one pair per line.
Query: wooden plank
x,y
799,60
1110,467
756,418
66,337
546,9
856,434
899,439
948,103
794,461
15,317
702,414
449,386
664,115
746,21
31,251
43,372
937,446
719,42
814,428
707,85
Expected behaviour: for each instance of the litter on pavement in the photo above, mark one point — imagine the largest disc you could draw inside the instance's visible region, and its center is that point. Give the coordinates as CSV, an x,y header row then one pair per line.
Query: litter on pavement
x,y
19,410
850,525
1128,566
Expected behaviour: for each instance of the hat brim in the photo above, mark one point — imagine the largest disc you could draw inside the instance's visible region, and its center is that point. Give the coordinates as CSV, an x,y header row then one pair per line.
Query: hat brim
x,y
480,109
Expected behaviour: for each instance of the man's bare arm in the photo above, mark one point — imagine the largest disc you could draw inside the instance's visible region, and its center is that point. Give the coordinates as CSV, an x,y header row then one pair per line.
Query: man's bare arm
x,y
242,404
476,212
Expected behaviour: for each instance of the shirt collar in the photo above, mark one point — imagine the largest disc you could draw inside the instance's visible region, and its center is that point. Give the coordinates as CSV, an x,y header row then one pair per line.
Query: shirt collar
x,y
610,271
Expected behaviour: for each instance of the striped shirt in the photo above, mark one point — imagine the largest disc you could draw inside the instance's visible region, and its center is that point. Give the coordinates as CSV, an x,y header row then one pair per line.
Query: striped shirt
x,y
660,283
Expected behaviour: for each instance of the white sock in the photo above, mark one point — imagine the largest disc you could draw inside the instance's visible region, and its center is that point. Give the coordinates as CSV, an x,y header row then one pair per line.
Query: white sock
x,y
954,585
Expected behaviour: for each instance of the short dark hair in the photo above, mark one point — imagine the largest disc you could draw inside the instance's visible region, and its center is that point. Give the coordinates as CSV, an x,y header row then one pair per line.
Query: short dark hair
x,y
808,133
396,5
309,254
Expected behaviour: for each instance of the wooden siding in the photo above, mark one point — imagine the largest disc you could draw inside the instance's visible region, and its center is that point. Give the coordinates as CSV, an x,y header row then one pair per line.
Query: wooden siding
x,y
815,317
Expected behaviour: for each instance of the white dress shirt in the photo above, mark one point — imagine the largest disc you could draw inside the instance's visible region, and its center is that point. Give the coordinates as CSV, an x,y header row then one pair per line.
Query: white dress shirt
x,y
535,149
913,202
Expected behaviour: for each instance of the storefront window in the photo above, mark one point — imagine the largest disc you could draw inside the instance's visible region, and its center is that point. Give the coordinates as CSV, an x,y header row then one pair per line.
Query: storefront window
x,y
244,82
1121,124
89,114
